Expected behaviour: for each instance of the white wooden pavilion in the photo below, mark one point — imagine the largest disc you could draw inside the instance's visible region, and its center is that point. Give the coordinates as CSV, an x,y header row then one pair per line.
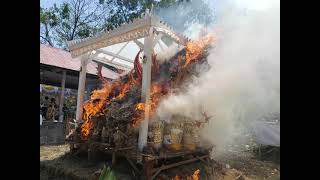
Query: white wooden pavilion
x,y
109,47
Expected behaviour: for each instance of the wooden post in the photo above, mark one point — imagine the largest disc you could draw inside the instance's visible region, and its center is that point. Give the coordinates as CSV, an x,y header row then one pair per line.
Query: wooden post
x,y
81,87
114,158
63,83
145,91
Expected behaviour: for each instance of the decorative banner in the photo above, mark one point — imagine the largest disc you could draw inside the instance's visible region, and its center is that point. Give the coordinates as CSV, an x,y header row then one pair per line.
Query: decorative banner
x,y
48,89
56,90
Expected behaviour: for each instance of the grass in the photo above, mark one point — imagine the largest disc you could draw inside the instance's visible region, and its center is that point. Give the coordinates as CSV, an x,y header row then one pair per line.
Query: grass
x,y
53,152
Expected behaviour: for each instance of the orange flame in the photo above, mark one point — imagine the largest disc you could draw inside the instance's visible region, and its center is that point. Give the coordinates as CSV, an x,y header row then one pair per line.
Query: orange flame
x,y
101,93
140,107
124,90
194,176
117,90
155,97
156,94
97,101
194,50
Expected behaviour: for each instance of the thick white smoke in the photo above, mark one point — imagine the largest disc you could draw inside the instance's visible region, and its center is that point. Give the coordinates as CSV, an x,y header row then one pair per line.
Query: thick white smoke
x,y
244,81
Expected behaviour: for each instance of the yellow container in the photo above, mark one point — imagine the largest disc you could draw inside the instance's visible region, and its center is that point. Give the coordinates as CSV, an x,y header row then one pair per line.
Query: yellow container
x,y
176,147
176,138
190,137
157,140
157,134
190,147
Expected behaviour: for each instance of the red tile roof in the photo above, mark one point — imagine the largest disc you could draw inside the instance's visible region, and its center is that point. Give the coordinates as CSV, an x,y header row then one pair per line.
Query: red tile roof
x,y
61,58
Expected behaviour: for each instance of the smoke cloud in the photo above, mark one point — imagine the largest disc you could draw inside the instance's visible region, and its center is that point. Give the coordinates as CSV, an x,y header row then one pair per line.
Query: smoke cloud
x,y
244,82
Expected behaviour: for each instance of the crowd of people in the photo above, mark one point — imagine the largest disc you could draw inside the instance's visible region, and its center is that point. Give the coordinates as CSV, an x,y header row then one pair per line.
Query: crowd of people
x,y
49,109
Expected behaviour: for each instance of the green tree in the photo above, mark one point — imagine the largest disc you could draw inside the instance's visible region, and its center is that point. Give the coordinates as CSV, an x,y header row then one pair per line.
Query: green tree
x,y
48,20
75,19
179,12
71,20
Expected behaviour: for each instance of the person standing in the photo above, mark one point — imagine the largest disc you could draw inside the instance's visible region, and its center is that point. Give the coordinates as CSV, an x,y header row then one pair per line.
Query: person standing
x,y
44,106
51,112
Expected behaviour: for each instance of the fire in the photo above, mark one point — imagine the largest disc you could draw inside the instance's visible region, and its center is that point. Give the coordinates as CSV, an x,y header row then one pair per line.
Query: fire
x,y
124,90
194,50
194,176
118,89
156,88
101,93
140,106
97,101
86,128
155,96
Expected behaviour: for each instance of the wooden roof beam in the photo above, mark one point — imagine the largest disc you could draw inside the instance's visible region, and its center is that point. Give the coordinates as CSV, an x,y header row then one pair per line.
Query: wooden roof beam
x,y
136,29
109,62
120,50
156,39
114,55
138,43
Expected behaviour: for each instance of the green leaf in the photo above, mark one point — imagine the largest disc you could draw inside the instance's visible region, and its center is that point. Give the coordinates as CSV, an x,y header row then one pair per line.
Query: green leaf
x,y
103,173
65,11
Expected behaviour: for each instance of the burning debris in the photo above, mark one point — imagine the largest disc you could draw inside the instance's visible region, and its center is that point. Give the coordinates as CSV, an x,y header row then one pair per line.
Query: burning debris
x,y
195,176
114,112
123,95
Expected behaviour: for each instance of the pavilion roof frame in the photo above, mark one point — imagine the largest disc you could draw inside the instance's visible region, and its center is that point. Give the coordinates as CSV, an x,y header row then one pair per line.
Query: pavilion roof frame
x,y
149,27
132,31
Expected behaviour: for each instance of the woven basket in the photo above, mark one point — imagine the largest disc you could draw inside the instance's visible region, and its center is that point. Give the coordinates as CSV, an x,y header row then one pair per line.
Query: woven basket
x,y
191,137
176,138
157,134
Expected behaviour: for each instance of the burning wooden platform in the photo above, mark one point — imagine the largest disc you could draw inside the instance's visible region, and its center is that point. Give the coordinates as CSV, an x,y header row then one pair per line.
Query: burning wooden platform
x,y
151,164
154,159
60,164
120,118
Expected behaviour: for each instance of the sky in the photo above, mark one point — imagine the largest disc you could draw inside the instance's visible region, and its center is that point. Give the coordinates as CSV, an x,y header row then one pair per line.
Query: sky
x,y
49,3
251,4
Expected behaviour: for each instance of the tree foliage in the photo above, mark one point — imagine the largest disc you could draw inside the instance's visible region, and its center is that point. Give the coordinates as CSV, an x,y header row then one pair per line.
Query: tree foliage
x,y
71,20
75,19
182,11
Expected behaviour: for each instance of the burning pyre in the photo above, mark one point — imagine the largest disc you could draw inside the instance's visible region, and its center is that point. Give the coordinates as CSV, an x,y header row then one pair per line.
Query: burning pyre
x,y
194,176
118,102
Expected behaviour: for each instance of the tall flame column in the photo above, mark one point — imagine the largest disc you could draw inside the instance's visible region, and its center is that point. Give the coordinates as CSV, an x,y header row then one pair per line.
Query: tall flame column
x,y
145,91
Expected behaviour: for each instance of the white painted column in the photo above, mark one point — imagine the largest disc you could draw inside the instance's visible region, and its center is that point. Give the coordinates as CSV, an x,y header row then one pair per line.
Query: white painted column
x,y
63,83
81,87
145,91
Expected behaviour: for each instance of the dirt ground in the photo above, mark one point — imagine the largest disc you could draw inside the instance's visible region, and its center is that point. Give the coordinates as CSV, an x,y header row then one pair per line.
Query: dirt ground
x,y
250,165
54,161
